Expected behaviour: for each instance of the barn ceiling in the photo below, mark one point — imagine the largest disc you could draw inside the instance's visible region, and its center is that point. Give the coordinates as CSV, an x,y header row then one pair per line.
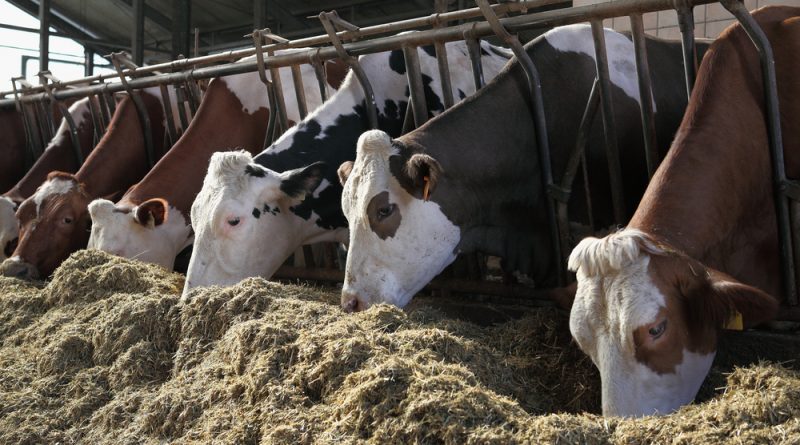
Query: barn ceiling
x,y
107,25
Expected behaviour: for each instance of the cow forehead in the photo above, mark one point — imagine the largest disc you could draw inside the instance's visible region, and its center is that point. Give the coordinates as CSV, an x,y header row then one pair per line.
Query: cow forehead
x,y
371,170
52,187
620,301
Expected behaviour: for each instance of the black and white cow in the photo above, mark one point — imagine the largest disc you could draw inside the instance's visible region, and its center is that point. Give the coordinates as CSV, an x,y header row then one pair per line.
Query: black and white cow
x,y
252,213
478,164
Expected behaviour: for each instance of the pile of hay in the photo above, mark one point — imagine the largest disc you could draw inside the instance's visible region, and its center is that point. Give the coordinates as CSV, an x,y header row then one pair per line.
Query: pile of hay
x,y
106,353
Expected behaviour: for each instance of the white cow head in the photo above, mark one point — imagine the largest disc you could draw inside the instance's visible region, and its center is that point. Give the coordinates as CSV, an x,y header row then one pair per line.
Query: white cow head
x,y
241,205
9,227
152,231
649,318
398,240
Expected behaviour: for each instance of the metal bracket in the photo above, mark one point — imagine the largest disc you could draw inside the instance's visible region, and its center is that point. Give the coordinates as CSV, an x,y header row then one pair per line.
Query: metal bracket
x,y
322,78
277,107
141,109
47,81
329,20
539,123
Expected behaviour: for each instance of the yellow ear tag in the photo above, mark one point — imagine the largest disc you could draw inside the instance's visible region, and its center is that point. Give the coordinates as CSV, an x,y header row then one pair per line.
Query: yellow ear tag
x,y
735,323
427,189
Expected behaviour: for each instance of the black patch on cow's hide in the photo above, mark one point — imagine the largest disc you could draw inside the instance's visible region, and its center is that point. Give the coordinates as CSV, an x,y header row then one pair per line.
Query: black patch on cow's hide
x,y
335,147
461,95
269,210
429,49
257,213
484,52
397,61
432,100
254,171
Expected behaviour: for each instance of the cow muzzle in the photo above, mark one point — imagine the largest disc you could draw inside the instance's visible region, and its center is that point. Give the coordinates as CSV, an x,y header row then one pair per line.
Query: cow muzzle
x,y
351,303
18,268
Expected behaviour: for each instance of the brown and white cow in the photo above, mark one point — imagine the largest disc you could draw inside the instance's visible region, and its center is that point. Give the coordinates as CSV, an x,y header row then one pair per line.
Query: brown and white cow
x,y
151,221
469,180
54,222
701,251
59,154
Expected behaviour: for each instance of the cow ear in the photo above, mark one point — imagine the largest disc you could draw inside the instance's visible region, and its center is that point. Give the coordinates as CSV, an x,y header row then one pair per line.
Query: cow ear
x,y
335,72
726,303
151,213
344,171
302,181
424,172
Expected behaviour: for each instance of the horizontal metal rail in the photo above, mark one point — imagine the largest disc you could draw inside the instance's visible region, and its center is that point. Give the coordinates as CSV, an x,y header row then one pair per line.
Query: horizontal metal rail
x,y
515,24
403,25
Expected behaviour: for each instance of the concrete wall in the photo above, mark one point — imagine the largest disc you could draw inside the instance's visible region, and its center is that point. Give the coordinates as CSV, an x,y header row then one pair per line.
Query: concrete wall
x,y
709,20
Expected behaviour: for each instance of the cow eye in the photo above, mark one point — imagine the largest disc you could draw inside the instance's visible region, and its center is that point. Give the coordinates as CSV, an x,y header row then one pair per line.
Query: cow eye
x,y
234,221
658,330
386,211
67,220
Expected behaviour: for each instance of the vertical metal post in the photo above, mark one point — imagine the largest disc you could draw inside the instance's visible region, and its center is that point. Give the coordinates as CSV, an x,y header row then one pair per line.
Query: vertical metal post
x,y
474,50
440,6
167,101
180,95
141,111
319,71
299,91
97,120
769,79
31,134
259,14
686,25
645,94
88,62
137,38
609,124
73,129
44,34
181,24
415,85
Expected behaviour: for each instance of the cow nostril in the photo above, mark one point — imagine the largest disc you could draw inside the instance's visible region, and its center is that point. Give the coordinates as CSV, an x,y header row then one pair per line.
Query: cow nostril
x,y
351,305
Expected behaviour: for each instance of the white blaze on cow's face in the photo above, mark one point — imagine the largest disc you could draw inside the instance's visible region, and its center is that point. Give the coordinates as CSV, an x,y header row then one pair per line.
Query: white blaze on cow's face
x,y
398,242
649,319
9,227
242,205
152,231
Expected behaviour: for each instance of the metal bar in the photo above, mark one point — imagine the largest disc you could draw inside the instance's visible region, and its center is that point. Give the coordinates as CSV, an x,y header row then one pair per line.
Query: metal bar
x,y
761,42
564,190
518,23
645,95
180,96
181,24
88,61
328,19
73,129
540,125
31,136
98,125
299,91
191,97
474,51
172,131
609,123
141,109
44,34
137,38
277,87
440,6
262,74
319,71
686,25
537,20
415,85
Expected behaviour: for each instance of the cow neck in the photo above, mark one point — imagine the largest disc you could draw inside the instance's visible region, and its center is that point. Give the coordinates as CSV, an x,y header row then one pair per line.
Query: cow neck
x,y
220,124
311,140
712,196
119,159
487,148
59,155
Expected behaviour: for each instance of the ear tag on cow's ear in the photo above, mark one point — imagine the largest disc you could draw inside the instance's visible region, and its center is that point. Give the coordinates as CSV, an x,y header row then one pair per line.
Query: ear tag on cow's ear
x,y
426,191
735,323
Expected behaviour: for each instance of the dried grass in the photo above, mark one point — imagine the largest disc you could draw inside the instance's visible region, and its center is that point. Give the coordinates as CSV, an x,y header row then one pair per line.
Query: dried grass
x,y
106,353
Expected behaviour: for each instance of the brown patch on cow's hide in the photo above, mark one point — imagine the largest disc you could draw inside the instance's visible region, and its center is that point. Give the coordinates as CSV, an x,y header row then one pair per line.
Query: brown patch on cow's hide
x,y
387,226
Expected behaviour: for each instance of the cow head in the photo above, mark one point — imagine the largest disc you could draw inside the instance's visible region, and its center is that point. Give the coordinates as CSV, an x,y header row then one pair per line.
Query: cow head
x,y
243,204
152,231
53,223
399,240
649,318
9,227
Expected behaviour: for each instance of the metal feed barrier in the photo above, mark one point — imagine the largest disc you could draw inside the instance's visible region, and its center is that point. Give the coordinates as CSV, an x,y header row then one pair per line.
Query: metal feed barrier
x,y
347,41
